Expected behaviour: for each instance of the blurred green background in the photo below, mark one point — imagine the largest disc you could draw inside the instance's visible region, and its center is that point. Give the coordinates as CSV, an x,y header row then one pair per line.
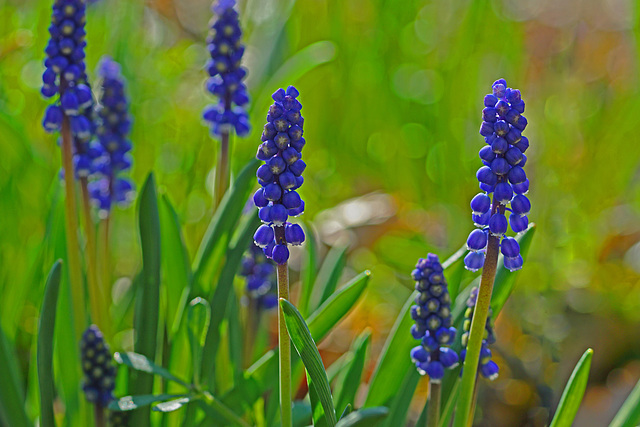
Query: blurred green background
x,y
392,94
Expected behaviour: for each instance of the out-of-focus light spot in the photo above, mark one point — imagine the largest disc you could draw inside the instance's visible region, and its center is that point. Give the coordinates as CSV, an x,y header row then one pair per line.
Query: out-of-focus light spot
x,y
170,159
520,10
24,38
423,86
582,300
32,74
16,101
516,392
632,257
120,288
196,208
435,163
417,140
380,148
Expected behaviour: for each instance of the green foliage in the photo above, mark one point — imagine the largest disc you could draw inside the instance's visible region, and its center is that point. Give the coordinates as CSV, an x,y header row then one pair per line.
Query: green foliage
x,y
629,413
573,392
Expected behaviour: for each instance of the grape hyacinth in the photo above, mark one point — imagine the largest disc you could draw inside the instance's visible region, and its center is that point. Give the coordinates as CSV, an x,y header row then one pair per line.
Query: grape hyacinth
x,y
226,50
503,175
97,365
114,125
65,75
261,278
280,176
432,316
487,367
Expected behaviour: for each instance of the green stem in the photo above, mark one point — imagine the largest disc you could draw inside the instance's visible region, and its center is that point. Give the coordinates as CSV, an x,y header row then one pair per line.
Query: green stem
x,y
478,323
98,416
284,342
97,300
71,223
433,412
227,413
103,257
222,179
251,328
473,405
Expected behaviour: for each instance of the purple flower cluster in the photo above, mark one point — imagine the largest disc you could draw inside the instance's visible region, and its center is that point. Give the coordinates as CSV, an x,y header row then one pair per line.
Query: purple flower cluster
x,y
114,125
97,366
261,278
280,176
503,175
226,52
432,316
487,367
65,75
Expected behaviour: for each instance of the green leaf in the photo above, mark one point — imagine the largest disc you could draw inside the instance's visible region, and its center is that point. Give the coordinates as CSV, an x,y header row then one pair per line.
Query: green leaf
x,y
306,348
221,295
347,385
309,272
347,411
175,265
129,403
447,411
148,295
328,276
174,405
629,413
221,226
573,392
368,417
12,409
141,363
337,306
46,327
402,400
505,279
198,318
317,411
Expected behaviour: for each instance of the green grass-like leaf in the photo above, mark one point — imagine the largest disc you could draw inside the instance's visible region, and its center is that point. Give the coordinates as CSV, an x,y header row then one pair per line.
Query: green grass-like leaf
x,y
174,405
309,273
46,327
129,403
629,413
328,276
573,392
368,417
349,381
306,348
141,363
402,400
148,295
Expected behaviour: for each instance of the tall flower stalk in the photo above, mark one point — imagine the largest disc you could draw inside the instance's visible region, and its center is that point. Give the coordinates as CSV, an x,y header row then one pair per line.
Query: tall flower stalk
x,y
503,177
226,83
432,317
65,80
280,176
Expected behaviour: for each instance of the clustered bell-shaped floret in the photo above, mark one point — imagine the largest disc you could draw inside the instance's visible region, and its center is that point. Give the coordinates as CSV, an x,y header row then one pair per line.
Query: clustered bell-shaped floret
x,y
432,317
227,75
502,175
487,367
260,274
111,186
280,176
97,366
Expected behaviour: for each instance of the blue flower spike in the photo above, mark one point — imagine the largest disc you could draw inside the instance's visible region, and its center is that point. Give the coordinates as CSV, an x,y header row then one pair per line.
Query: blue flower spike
x,y
280,176
487,367
260,274
98,368
432,316
226,73
112,186
502,175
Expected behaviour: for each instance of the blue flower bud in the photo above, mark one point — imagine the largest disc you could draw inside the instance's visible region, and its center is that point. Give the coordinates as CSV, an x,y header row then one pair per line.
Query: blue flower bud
x,y
278,214
523,144
518,223
499,146
435,370
497,224
481,220
263,236
501,128
480,204
448,357
98,368
514,263
272,192
509,247
474,261
291,200
503,193
489,370
486,128
520,205
500,166
513,156
280,253
52,118
521,188
517,175
477,240
287,180
294,234
487,154
486,176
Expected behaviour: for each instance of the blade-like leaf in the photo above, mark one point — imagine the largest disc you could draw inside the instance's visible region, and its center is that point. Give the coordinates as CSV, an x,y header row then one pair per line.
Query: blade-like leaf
x,y
347,385
402,400
505,279
309,272
129,403
198,317
46,327
222,224
368,417
174,405
148,295
141,363
347,411
629,413
573,392
317,411
328,276
306,348
175,265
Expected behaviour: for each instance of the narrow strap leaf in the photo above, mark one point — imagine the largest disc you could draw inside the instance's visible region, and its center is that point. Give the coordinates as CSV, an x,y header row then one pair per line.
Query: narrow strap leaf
x,y
328,276
402,400
129,403
573,392
629,413
140,362
174,405
347,386
368,417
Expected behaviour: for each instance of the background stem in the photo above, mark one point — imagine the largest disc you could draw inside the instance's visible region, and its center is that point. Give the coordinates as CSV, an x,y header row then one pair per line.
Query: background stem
x,y
98,416
221,183
284,343
478,323
433,411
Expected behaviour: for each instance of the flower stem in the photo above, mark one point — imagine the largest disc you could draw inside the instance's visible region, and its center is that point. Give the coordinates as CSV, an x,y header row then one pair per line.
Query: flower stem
x,y
98,416
71,223
478,323
284,343
103,258
97,300
222,170
433,411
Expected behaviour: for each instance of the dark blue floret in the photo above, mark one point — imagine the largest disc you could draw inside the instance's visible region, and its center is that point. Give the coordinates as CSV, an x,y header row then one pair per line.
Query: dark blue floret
x,y
502,174
98,368
227,75
487,367
280,175
260,274
432,317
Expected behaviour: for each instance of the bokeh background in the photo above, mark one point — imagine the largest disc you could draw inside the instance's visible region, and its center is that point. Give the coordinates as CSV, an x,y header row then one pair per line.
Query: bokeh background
x,y
392,94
